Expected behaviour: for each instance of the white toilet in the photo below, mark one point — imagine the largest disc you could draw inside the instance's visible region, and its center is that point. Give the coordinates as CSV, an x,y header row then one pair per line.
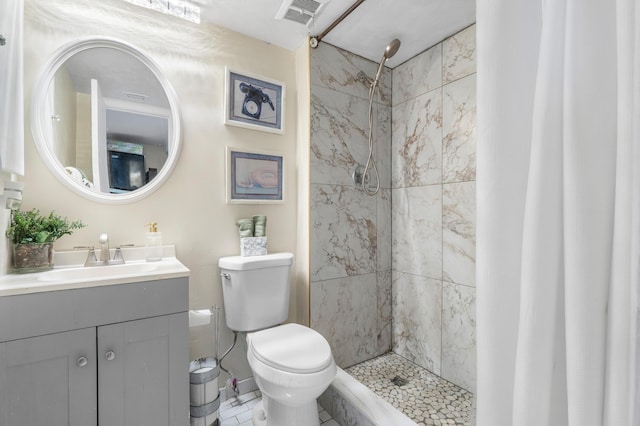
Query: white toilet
x,y
292,364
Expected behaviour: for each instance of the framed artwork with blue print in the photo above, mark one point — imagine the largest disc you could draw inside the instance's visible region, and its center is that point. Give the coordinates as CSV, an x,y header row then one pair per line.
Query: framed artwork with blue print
x,y
254,102
254,177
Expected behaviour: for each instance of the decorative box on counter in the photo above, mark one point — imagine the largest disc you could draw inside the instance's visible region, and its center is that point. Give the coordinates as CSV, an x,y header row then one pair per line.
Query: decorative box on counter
x,y
253,246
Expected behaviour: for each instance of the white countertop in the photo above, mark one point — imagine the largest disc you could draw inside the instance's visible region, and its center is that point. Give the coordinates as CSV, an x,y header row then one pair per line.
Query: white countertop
x,y
69,272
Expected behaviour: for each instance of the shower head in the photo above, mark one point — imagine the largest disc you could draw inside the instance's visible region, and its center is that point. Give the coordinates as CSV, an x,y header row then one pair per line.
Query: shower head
x,y
392,49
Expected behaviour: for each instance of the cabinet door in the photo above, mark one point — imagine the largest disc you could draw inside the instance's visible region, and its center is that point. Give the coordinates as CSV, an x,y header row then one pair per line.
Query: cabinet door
x,y
49,380
143,372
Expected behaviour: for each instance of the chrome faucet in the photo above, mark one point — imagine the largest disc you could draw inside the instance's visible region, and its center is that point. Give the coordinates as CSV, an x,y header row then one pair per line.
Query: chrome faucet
x,y
105,257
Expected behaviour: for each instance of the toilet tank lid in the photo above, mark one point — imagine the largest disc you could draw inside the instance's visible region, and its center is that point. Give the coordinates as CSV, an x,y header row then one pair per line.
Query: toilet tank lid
x,y
243,263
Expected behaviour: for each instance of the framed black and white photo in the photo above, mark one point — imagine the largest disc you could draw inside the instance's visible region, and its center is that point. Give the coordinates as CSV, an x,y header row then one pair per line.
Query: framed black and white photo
x,y
254,177
254,102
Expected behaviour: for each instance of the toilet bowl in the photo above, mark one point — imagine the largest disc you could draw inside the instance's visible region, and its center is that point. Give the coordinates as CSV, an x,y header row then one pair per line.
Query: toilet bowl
x,y
292,365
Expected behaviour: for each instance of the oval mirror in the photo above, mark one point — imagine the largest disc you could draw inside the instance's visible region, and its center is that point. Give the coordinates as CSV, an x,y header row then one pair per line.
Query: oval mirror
x,y
105,120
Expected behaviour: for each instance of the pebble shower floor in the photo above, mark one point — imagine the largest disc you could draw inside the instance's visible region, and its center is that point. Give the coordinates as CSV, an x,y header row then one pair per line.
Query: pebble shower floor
x,y
426,399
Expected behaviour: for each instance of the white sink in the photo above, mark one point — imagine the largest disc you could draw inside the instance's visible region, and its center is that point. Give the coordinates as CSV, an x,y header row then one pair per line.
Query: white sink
x,y
102,272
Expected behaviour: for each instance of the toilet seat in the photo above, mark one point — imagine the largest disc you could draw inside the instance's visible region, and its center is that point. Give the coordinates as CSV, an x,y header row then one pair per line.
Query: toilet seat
x,y
292,348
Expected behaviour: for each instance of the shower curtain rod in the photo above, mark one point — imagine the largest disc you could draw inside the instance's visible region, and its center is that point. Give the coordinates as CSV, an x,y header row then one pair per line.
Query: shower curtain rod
x,y
314,41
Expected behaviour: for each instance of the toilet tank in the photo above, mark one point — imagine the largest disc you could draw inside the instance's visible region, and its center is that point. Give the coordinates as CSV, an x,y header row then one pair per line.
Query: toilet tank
x,y
255,290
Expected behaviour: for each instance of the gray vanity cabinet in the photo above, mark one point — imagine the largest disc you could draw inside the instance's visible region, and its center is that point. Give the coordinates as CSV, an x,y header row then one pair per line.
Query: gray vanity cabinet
x,y
104,356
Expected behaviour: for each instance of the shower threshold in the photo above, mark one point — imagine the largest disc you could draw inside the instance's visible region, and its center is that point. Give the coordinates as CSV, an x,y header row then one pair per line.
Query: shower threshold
x,y
351,403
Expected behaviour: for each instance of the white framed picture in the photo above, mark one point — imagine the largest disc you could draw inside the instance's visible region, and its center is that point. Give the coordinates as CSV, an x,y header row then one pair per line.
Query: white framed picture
x,y
254,102
254,177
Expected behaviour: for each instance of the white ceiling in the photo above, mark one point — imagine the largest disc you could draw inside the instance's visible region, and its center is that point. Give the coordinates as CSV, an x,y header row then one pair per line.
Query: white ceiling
x,y
419,24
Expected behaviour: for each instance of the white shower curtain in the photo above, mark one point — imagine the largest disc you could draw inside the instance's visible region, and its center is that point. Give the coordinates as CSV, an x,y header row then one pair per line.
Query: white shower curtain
x,y
558,237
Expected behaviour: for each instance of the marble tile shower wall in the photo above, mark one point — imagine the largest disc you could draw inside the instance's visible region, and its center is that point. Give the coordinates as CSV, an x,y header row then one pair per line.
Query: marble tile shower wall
x,y
433,209
396,270
350,231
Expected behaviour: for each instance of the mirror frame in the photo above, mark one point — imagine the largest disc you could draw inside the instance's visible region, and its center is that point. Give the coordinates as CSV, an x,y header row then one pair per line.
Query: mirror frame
x,y
38,112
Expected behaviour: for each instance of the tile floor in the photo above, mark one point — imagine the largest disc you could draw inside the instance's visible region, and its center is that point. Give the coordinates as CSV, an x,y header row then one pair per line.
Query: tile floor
x,y
237,411
425,398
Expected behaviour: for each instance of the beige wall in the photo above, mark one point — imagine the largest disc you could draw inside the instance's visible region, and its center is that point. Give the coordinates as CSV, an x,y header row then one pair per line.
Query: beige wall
x,y
303,172
190,208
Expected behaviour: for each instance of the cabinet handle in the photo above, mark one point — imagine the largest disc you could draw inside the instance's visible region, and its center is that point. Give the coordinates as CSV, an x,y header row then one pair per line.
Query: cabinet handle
x,y
82,361
110,355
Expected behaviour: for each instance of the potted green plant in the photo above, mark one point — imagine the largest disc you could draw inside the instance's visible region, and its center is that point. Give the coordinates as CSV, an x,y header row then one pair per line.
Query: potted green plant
x,y
32,236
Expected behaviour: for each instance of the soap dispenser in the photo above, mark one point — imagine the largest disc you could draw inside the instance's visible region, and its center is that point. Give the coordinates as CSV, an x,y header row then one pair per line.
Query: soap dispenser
x,y
153,250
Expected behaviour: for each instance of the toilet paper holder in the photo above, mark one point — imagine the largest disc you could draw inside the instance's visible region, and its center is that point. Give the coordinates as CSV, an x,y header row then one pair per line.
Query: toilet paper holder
x,y
202,317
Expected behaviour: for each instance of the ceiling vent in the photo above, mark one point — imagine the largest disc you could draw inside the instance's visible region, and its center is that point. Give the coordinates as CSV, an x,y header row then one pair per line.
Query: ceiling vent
x,y
301,11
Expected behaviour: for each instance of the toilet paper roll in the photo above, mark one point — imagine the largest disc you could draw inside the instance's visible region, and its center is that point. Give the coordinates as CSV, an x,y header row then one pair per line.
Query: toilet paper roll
x,y
199,317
